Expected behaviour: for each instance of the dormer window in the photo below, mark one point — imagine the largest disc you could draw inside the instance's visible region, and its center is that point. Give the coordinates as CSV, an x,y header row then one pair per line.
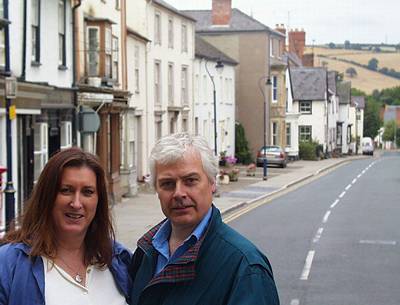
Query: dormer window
x,y
101,50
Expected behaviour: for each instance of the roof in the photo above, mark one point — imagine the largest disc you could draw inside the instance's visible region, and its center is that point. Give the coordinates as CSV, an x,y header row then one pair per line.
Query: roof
x,y
332,75
308,83
358,102
240,22
391,113
205,50
293,58
172,9
137,34
343,90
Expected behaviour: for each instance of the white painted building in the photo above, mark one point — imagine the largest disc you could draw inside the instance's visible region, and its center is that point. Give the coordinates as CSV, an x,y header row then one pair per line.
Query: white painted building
x,y
207,58
41,59
356,118
309,87
344,126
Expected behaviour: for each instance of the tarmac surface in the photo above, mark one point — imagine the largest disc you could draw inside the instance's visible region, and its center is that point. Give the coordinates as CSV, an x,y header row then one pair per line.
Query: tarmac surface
x,y
135,216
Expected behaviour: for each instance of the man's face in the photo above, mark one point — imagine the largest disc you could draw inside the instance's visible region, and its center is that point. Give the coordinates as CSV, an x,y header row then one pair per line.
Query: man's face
x,y
185,192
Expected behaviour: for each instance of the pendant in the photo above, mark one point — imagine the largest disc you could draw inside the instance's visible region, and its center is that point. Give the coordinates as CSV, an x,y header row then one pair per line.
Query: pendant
x,y
78,278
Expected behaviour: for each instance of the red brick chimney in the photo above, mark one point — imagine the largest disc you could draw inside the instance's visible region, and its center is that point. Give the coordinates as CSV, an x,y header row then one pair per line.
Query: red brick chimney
x,y
297,42
221,12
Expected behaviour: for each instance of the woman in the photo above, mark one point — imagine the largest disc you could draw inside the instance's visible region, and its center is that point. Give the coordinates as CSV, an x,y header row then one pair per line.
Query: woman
x,y
64,251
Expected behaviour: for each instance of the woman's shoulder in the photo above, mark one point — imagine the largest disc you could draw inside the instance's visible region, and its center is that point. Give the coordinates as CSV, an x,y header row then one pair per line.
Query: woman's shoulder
x,y
120,249
13,249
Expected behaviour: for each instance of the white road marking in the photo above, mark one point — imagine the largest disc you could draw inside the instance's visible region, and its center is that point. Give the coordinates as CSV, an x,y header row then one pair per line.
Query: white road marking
x,y
359,176
326,217
318,235
295,302
364,171
379,242
342,194
335,203
354,180
347,187
307,266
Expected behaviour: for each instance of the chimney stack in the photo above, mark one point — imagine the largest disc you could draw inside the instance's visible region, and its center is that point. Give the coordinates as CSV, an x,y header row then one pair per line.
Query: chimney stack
x,y
297,42
221,12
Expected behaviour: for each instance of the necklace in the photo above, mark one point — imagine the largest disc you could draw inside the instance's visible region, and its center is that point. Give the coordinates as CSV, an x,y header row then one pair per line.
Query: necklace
x,y
77,277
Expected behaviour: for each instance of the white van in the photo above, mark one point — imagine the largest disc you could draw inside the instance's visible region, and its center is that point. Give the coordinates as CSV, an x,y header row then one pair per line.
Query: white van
x,y
367,146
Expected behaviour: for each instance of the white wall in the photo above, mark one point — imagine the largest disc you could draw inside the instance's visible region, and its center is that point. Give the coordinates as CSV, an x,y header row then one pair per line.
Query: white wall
x,y
344,117
204,104
292,117
48,71
165,55
317,120
357,125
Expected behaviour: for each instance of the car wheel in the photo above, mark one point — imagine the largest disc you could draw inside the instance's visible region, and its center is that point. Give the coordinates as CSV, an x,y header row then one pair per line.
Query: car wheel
x,y
283,165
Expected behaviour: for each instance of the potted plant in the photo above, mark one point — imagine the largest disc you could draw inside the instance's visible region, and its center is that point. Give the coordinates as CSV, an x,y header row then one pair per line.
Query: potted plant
x,y
223,177
222,156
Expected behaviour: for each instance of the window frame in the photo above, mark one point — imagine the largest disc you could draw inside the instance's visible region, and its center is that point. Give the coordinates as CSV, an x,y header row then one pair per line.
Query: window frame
x,y
35,32
171,82
137,70
274,89
301,104
115,58
185,85
157,28
62,56
157,82
95,51
289,134
184,38
170,32
307,134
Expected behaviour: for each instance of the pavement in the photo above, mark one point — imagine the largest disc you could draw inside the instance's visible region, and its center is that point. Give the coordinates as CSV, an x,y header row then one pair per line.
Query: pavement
x,y
135,216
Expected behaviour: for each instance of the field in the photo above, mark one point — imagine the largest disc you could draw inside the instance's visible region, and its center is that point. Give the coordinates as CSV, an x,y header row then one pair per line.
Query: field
x,y
365,79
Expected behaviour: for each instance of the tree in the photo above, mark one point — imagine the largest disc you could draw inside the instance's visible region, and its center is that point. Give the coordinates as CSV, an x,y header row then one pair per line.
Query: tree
x,y
351,72
388,134
372,122
347,45
331,45
373,64
242,151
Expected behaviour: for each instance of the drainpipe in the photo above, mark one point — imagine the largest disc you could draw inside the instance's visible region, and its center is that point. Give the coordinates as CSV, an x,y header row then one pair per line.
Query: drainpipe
x,y
74,69
23,74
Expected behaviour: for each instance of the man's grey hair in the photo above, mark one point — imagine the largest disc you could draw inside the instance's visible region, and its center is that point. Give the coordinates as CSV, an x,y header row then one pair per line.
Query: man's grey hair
x,y
171,148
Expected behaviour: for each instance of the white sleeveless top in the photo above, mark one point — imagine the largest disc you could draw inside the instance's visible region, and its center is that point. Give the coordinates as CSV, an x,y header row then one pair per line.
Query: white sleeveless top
x,y
62,289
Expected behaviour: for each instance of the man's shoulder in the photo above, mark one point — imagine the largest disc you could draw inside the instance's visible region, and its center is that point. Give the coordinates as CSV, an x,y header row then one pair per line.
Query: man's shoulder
x,y
238,245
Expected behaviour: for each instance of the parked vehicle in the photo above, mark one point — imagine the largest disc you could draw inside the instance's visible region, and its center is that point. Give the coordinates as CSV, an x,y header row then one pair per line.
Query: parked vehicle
x,y
274,154
367,146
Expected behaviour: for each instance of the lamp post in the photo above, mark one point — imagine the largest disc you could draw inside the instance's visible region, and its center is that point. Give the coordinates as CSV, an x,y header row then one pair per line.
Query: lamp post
x,y
260,85
219,66
10,89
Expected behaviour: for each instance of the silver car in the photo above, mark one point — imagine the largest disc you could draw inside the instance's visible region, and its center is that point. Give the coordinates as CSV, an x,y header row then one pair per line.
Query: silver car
x,y
274,154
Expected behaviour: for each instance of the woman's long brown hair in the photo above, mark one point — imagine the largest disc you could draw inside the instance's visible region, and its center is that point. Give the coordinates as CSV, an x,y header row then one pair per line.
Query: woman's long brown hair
x,y
37,225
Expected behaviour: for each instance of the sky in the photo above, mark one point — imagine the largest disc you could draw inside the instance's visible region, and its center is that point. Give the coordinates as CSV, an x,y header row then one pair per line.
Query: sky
x,y
324,21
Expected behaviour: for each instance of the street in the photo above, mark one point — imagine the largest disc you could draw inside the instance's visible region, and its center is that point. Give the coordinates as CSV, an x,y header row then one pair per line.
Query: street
x,y
336,239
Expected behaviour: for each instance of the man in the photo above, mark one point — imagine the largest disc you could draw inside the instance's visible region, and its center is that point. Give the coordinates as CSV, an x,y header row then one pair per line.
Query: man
x,y
192,257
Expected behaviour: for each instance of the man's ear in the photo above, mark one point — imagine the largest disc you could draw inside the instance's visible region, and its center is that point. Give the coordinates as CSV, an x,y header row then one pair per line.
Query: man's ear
x,y
214,186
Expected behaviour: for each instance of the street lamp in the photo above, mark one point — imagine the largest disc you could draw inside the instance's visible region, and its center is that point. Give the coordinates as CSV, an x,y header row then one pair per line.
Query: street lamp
x,y
219,67
10,113
260,85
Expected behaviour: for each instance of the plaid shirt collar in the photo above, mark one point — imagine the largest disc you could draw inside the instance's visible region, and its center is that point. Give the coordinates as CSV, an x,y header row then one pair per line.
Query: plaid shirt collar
x,y
184,267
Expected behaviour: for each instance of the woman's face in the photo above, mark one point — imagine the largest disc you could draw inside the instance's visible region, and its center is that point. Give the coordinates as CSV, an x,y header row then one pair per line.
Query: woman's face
x,y
76,202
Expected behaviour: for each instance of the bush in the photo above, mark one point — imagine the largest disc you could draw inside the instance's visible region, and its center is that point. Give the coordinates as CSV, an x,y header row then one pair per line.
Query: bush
x,y
310,150
242,151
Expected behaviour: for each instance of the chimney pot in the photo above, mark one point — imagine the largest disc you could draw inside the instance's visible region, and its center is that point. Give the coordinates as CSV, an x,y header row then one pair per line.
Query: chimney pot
x,y
221,12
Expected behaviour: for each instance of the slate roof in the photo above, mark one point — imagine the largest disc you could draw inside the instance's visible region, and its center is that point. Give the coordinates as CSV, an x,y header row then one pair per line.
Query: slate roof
x,y
360,100
293,58
240,22
343,90
308,83
172,9
332,81
205,50
391,113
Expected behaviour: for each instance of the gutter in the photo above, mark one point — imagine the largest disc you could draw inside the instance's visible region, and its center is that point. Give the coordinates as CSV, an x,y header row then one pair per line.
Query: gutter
x,y
74,77
23,74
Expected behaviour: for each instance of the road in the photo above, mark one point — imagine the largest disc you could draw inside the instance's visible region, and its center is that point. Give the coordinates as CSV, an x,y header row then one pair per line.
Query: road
x,y
335,240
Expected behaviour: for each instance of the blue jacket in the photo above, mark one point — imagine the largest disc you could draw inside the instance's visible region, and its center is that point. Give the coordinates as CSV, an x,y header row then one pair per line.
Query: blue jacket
x,y
22,280
222,268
